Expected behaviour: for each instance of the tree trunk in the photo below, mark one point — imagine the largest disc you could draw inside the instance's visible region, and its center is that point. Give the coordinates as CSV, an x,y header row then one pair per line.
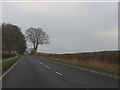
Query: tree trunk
x,y
34,45
35,48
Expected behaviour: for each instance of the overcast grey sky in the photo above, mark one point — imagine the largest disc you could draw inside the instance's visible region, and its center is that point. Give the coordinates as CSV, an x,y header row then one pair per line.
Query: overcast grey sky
x,y
59,0
72,27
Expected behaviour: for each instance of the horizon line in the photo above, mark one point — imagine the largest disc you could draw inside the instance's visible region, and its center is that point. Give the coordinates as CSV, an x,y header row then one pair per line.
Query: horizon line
x,y
78,52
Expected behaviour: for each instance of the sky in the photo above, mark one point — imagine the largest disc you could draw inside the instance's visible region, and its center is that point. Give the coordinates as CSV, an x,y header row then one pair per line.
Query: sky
x,y
73,27
59,0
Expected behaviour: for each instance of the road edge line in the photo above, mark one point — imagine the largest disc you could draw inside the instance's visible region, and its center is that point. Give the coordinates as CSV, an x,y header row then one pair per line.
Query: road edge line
x,y
102,73
10,69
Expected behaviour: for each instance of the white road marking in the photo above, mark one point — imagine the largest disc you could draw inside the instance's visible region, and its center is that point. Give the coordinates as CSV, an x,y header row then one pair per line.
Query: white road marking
x,y
46,66
40,63
87,69
10,69
36,61
59,73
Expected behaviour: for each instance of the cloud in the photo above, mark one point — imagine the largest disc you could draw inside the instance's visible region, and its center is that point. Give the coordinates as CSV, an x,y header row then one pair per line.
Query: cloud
x,y
73,27
63,0
109,34
43,8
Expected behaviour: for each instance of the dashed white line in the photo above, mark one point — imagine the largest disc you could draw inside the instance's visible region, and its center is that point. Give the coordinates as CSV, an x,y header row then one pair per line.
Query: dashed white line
x,y
49,68
40,63
35,61
87,70
46,66
59,73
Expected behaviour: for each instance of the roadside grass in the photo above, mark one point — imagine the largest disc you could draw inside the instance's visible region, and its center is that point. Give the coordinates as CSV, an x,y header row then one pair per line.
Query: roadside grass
x,y
92,64
7,63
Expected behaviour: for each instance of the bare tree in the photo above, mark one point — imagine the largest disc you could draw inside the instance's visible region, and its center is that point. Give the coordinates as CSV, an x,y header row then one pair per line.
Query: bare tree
x,y
36,36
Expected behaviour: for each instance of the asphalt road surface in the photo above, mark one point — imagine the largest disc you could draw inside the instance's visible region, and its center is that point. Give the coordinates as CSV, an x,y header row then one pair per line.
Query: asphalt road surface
x,y
41,73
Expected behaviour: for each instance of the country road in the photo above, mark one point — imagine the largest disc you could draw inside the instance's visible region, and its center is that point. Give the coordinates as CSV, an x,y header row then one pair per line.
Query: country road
x,y
38,73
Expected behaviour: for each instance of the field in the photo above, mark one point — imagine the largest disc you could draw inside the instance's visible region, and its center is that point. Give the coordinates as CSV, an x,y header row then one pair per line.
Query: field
x,y
104,61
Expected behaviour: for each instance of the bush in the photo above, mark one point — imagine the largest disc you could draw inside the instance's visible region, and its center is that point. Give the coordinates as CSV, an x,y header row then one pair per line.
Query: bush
x,y
7,54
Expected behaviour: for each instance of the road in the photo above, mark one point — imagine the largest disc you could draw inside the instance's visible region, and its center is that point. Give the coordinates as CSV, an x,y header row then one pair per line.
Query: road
x,y
41,73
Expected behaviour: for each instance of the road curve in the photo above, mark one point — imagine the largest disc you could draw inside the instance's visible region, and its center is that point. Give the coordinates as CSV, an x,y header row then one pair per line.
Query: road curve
x,y
41,73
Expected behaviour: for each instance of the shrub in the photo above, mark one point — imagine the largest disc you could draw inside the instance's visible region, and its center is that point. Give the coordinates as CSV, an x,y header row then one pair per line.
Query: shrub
x,y
6,54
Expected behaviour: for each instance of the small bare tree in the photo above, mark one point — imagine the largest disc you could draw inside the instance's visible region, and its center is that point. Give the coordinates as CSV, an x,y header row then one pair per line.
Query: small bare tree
x,y
36,36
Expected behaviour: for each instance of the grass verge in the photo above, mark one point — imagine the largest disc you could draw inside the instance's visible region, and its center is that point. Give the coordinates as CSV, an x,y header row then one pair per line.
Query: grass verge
x,y
7,63
101,66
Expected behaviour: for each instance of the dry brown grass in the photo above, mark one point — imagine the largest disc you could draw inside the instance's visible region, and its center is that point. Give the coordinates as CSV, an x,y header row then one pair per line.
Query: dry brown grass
x,y
102,61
